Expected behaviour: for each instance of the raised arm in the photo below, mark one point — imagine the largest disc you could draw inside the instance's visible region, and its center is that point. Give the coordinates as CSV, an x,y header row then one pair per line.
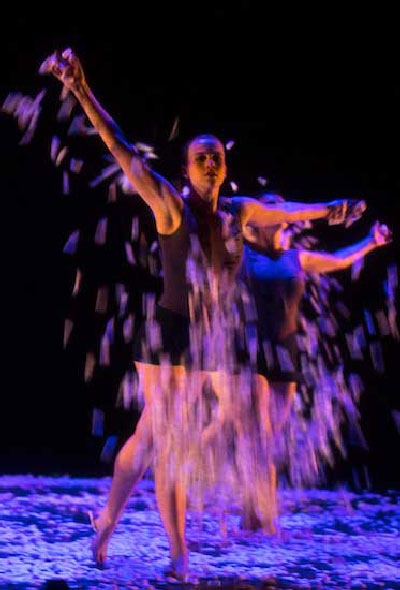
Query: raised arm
x,y
252,212
155,190
379,235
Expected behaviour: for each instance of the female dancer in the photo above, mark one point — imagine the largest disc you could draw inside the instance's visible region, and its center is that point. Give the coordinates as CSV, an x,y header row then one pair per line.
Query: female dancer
x,y
275,275
175,219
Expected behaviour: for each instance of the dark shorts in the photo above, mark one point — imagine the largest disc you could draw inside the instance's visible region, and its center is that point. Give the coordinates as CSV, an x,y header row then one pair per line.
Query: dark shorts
x,y
165,339
279,360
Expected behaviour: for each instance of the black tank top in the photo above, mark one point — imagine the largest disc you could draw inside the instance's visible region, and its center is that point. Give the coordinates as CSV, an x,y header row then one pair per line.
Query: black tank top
x,y
220,238
277,284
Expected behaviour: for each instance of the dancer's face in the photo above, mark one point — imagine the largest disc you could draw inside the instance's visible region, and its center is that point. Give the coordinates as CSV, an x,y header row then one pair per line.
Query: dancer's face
x,y
206,166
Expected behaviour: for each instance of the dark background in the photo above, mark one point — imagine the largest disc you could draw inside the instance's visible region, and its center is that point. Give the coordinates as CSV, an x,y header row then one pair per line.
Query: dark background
x,y
311,99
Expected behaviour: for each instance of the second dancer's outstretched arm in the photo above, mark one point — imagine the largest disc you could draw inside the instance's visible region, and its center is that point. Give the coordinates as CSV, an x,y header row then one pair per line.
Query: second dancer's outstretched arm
x,y
317,262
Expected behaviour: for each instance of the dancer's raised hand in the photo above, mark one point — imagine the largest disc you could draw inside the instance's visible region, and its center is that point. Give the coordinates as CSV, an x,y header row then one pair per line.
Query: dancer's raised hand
x,y
345,211
67,68
355,209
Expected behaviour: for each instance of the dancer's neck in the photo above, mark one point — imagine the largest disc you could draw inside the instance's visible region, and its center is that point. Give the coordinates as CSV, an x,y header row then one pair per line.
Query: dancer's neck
x,y
201,205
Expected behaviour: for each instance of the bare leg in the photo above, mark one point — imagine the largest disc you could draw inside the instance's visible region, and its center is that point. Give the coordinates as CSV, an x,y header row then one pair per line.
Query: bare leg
x,y
171,490
129,467
275,401
250,519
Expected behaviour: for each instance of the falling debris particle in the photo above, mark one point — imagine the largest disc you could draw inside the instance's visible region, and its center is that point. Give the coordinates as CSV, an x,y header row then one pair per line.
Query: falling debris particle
x,y
343,310
11,103
107,454
149,302
129,254
110,330
392,276
55,147
77,284
135,229
360,336
78,127
100,237
356,269
185,191
234,186
104,351
68,325
123,302
262,180
144,147
66,108
229,145
284,360
90,364
65,183
377,356
106,173
129,386
396,419
354,347
392,319
383,324
64,92
102,300
128,328
175,129
356,385
268,353
127,187
26,110
112,193
71,246
61,155
97,422
327,325
369,322
46,66
150,156
75,165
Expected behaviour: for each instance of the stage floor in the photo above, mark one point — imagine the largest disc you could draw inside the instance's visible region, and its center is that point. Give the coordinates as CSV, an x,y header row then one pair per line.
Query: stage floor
x,y
327,540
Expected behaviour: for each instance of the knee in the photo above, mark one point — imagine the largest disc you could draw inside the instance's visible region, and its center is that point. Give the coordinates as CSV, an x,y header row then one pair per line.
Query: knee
x,y
129,461
124,463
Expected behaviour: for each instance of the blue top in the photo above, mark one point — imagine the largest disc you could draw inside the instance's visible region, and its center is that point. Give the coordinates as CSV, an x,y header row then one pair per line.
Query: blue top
x,y
276,281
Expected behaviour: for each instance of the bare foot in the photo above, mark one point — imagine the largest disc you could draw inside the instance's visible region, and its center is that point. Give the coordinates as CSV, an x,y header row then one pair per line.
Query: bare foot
x,y
250,521
103,527
178,570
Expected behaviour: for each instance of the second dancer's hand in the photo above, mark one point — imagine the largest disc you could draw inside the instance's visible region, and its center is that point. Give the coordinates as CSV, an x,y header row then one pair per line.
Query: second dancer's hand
x,y
380,234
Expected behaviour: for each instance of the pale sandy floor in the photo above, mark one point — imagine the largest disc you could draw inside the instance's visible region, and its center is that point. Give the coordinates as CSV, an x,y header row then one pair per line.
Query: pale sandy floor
x,y
327,540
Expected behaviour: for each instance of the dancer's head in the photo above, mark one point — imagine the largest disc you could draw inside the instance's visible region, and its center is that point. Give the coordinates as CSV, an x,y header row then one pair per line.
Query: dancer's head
x,y
273,237
205,166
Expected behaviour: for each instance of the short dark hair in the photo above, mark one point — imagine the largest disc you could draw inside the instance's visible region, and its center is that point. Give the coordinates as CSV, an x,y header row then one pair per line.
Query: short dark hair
x,y
201,136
